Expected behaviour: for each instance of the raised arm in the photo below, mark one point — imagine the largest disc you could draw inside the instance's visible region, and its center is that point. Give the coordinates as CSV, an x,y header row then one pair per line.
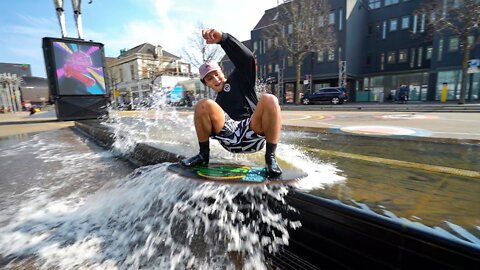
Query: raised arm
x,y
238,53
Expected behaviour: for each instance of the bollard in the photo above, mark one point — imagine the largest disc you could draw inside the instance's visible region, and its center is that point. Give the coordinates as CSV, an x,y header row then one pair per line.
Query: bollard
x,y
443,97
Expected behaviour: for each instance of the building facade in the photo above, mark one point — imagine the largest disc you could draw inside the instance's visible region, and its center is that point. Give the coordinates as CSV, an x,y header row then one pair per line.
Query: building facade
x,y
139,71
381,44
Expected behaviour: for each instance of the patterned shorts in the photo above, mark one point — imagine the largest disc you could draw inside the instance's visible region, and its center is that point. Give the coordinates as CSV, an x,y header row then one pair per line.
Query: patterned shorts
x,y
237,137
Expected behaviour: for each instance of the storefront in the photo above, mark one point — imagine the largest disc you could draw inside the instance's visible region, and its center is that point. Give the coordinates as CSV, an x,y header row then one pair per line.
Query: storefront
x,y
453,80
383,88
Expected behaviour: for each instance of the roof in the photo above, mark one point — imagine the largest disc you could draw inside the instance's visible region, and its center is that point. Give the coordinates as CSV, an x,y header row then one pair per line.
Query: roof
x,y
34,81
267,18
147,48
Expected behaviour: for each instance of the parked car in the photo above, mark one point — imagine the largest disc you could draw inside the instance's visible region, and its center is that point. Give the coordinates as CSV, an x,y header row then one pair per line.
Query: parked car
x,y
334,95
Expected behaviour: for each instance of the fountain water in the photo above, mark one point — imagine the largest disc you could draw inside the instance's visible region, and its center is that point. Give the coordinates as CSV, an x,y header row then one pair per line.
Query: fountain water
x,y
151,218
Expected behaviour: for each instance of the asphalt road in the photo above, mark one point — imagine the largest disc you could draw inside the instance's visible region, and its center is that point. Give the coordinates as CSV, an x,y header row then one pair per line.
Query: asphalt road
x,y
454,126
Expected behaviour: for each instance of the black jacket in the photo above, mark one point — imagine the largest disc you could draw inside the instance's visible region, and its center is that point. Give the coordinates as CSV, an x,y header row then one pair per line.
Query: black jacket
x,y
238,98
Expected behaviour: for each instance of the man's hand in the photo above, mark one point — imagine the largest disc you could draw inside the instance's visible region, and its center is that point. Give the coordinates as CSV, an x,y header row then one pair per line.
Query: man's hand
x,y
212,36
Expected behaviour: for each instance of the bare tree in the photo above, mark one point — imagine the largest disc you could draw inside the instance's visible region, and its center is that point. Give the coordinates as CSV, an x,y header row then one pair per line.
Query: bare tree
x,y
456,18
302,27
199,52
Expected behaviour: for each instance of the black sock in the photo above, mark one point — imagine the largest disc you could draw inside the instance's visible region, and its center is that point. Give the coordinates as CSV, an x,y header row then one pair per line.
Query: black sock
x,y
271,148
204,148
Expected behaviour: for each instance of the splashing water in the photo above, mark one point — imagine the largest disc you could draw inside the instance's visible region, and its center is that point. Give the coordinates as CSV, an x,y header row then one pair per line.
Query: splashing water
x,y
152,220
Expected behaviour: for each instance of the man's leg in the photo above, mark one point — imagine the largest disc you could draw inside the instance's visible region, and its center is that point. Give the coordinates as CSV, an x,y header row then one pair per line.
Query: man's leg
x,y
267,120
209,118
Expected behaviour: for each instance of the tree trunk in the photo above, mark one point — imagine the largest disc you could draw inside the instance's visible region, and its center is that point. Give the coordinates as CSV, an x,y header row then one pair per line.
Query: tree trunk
x,y
463,85
299,86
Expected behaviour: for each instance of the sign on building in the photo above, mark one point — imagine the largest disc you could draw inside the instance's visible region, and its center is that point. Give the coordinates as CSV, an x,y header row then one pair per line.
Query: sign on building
x,y
473,66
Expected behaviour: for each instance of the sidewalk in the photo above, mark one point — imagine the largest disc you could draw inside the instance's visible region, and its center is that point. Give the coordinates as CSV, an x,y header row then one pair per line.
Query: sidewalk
x,y
388,106
12,124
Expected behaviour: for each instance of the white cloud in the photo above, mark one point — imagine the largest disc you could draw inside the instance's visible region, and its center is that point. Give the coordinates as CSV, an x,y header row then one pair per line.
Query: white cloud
x,y
176,21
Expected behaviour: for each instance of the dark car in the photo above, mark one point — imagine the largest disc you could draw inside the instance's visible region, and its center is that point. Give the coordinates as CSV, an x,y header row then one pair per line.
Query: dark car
x,y
333,95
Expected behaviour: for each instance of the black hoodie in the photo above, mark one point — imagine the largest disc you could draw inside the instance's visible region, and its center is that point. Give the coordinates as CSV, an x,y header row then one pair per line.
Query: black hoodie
x,y
238,98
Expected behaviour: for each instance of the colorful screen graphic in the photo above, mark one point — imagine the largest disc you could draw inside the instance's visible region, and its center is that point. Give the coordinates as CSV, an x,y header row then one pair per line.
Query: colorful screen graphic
x,y
79,68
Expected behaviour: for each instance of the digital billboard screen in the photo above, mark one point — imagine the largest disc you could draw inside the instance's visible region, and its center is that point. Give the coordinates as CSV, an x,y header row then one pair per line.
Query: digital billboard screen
x,y
77,67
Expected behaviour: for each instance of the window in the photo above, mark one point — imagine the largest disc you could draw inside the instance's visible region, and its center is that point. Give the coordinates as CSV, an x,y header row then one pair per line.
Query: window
x,y
269,43
402,56
384,30
121,74
255,46
414,27
393,24
405,22
370,30
290,29
331,17
382,61
412,57
391,57
369,60
340,19
320,56
270,68
373,4
440,50
321,21
422,24
420,56
429,52
132,72
331,55
390,2
453,44
471,40
433,16
290,61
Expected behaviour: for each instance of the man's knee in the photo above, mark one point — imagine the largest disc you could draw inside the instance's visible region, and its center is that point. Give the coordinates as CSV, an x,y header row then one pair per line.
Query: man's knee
x,y
269,99
204,105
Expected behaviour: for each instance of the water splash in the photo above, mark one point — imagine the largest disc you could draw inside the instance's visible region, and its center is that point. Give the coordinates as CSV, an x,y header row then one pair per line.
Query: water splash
x,y
151,220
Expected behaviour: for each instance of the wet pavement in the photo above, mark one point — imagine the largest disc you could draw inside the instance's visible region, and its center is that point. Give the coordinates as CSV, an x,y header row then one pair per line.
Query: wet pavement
x,y
412,166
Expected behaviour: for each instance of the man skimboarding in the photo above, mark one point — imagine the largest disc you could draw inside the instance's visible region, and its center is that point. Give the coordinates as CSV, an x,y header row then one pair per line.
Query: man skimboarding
x,y
236,118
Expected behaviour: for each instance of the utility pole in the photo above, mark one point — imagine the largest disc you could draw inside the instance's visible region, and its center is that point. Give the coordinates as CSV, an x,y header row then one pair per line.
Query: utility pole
x,y
280,81
342,74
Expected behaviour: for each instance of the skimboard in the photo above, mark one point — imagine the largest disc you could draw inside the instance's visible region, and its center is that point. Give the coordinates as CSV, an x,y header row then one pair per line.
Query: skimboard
x,y
236,174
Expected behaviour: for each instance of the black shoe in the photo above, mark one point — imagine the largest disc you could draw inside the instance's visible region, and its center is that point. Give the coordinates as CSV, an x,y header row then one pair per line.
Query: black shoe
x,y
199,159
272,167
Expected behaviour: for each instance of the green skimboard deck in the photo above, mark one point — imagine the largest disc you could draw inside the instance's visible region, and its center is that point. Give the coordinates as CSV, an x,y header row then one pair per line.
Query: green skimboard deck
x,y
236,174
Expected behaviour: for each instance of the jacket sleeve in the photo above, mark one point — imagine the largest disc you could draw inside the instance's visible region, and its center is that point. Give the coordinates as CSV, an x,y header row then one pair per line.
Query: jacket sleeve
x,y
240,56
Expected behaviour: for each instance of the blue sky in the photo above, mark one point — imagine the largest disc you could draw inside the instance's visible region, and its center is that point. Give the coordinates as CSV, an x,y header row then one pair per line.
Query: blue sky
x,y
120,24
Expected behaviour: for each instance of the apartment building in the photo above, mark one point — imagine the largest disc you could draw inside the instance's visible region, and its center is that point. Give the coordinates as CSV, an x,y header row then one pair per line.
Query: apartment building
x,y
136,72
381,44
